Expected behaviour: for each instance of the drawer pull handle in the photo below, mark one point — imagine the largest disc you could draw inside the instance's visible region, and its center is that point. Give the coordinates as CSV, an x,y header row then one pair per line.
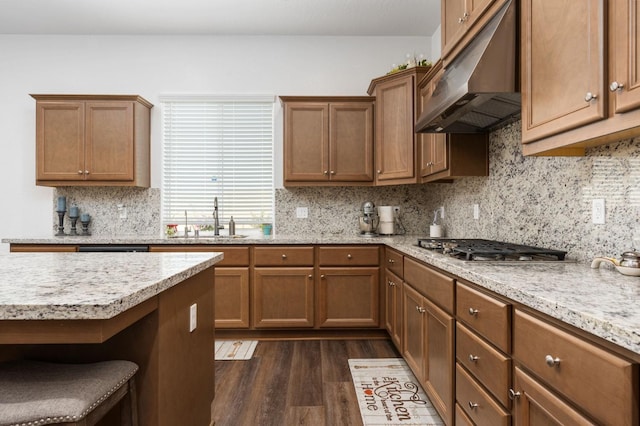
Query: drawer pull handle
x,y
349,256
590,96
284,256
473,312
551,361
473,405
616,86
473,358
513,395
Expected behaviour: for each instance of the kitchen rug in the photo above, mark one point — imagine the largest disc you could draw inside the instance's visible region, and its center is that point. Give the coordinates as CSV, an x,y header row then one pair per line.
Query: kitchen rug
x,y
233,350
389,394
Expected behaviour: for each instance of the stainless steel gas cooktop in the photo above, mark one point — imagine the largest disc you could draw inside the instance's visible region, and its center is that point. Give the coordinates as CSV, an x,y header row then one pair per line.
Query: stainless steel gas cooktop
x,y
488,250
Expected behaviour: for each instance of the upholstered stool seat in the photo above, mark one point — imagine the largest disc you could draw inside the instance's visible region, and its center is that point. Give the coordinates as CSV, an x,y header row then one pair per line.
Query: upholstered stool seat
x,y
42,393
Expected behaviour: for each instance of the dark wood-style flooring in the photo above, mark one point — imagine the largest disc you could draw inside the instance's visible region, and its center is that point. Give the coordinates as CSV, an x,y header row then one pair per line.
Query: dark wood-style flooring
x,y
302,382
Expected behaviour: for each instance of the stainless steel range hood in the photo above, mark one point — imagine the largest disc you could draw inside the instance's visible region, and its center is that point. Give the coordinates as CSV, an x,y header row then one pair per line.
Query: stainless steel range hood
x,y
479,89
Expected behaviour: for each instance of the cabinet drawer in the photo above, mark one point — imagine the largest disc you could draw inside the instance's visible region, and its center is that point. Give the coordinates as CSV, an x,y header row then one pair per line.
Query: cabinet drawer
x,y
233,256
488,316
283,256
488,365
349,256
476,403
603,384
435,286
393,262
461,417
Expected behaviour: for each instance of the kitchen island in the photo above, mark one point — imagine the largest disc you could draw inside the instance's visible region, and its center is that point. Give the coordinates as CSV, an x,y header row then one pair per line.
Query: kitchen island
x,y
85,307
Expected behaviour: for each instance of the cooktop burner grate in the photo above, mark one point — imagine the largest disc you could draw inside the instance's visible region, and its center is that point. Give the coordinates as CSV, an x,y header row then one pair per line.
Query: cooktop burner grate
x,y
478,249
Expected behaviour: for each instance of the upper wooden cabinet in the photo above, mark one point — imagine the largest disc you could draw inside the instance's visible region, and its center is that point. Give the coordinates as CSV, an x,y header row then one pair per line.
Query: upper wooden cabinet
x,y
568,103
328,140
461,20
445,156
396,114
92,140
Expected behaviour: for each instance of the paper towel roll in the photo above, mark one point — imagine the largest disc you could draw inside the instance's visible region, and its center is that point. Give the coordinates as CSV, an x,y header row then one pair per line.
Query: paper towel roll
x,y
436,231
386,228
385,213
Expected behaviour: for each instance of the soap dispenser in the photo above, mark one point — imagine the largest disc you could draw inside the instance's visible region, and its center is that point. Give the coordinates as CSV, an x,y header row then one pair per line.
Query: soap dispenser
x,y
232,227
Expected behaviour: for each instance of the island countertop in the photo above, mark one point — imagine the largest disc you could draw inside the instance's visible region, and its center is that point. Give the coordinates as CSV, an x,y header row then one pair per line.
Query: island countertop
x,y
53,286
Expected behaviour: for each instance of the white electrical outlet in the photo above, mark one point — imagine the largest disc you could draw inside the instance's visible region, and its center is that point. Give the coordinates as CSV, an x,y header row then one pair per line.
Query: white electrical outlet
x,y
476,211
302,212
598,211
193,317
122,211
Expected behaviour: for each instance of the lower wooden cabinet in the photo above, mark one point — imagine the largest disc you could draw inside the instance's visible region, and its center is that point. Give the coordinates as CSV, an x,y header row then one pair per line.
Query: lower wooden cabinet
x,y
232,298
477,404
428,348
604,386
349,297
393,307
283,297
536,405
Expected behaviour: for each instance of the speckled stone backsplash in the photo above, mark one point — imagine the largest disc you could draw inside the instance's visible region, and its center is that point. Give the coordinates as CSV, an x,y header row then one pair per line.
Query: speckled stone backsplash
x,y
544,201
142,206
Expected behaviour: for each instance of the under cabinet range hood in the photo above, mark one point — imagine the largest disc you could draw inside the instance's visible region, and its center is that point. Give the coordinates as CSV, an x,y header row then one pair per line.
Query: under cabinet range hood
x,y
479,90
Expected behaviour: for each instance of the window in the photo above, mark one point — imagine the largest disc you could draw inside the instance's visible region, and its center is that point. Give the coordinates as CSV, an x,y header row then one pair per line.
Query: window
x,y
217,147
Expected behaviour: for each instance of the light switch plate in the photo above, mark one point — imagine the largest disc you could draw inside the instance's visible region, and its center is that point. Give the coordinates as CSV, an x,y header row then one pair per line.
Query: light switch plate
x,y
598,211
476,211
302,212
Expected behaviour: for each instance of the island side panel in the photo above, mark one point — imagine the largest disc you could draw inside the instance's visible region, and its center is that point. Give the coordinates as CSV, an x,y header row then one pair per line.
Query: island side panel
x,y
186,372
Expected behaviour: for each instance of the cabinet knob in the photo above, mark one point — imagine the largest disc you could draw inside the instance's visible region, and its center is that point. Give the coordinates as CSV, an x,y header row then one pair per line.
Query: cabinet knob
x,y
310,276
590,96
391,261
473,312
79,172
473,358
513,395
379,171
616,86
86,172
284,256
420,309
464,18
551,361
332,172
326,172
391,283
349,256
321,276
473,405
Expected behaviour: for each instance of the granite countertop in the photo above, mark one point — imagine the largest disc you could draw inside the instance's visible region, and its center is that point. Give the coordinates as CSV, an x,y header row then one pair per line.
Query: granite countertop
x,y
52,286
602,301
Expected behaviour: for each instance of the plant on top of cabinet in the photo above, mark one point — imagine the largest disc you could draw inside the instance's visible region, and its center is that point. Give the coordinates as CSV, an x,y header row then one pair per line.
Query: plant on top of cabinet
x,y
568,103
328,141
396,114
444,156
92,140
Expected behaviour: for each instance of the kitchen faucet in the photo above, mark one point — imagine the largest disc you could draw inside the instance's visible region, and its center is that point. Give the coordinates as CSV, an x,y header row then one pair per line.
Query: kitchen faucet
x,y
216,220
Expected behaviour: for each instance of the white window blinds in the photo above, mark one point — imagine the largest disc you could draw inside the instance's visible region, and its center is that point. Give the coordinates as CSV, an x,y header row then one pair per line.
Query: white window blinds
x,y
214,147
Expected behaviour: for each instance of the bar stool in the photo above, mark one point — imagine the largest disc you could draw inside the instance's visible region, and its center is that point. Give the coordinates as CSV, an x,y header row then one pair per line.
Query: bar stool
x,y
43,393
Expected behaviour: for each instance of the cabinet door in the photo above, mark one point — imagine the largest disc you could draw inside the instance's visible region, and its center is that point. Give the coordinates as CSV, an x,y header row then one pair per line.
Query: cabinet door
x,y
283,297
393,308
458,18
60,140
536,405
440,358
624,54
109,150
351,142
563,84
232,297
413,345
395,149
349,297
306,141
433,146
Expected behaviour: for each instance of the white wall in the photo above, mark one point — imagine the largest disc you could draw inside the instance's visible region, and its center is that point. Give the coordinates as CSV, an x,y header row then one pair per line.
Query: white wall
x,y
153,66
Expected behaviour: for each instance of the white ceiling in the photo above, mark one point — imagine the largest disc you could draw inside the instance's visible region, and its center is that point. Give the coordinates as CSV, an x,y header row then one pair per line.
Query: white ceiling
x,y
221,17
